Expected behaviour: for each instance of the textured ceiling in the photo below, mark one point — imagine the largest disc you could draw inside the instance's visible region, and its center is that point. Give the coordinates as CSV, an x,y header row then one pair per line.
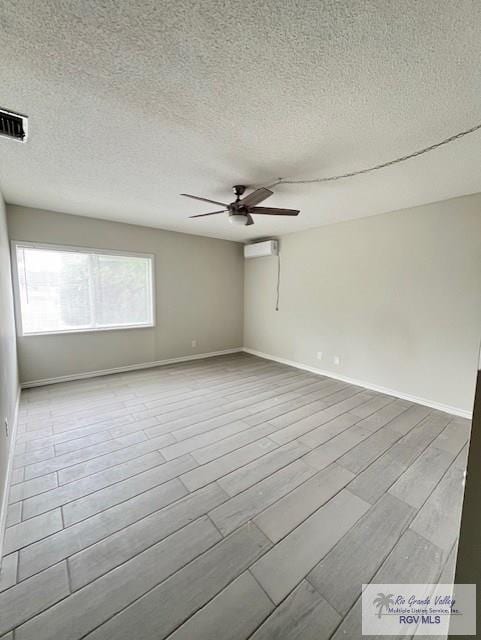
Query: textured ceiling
x,y
131,103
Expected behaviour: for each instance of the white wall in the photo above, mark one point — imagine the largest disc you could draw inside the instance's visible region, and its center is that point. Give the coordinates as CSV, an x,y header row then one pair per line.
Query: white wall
x,y
199,291
8,363
396,296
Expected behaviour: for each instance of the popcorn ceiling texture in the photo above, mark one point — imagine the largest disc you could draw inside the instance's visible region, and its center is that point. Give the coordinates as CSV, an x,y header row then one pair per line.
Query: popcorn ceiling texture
x,y
131,103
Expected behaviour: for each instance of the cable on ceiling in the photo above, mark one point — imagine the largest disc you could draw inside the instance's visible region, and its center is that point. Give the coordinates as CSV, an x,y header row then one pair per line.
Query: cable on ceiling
x,y
383,165
278,279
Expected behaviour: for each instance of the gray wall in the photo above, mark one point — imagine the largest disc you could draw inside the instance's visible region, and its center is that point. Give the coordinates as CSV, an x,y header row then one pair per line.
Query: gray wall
x,y
8,360
199,284
397,297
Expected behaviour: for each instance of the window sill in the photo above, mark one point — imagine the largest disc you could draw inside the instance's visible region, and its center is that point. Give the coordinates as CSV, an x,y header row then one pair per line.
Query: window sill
x,y
89,330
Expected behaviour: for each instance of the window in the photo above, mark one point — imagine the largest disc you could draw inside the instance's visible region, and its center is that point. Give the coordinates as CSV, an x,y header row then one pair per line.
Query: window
x,y
63,289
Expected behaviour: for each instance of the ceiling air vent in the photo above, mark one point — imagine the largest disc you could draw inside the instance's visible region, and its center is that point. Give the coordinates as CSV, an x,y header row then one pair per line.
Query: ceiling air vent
x,y
13,125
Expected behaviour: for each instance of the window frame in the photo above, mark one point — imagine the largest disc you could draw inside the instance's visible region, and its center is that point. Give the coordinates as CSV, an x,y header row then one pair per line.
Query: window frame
x,y
18,244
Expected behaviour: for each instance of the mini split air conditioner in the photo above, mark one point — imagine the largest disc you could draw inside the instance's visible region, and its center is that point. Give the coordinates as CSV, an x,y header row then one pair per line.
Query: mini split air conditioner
x,y
261,249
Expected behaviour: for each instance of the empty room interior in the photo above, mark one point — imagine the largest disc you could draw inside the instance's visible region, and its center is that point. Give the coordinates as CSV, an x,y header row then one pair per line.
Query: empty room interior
x,y
240,318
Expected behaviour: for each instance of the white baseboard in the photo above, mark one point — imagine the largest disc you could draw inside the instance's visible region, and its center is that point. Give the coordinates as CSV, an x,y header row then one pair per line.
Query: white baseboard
x,y
131,367
330,374
367,385
6,489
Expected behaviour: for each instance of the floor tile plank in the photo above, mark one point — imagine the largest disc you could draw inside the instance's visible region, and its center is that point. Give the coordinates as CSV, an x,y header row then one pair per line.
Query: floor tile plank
x,y
97,602
356,558
281,568
353,397
232,615
288,512
29,488
29,598
253,472
96,560
8,572
14,514
74,457
25,533
439,518
304,615
71,491
217,449
414,560
202,475
330,451
161,611
106,461
91,504
416,483
68,541
246,505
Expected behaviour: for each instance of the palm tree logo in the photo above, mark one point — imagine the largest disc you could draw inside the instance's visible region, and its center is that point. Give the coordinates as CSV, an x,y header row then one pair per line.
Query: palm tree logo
x,y
383,601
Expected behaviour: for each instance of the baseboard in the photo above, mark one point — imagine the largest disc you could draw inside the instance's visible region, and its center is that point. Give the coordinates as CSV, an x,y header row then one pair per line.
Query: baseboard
x,y
6,489
131,367
367,385
330,374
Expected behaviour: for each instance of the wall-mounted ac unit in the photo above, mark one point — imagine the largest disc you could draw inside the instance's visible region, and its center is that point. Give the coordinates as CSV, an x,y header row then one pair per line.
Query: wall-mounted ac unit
x,y
261,249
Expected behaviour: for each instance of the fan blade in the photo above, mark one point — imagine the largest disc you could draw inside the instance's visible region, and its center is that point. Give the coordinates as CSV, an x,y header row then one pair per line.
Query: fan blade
x,y
249,220
256,196
269,211
212,213
187,195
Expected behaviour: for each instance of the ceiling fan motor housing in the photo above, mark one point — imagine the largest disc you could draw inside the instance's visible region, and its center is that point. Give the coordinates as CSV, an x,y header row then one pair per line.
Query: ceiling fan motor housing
x,y
239,189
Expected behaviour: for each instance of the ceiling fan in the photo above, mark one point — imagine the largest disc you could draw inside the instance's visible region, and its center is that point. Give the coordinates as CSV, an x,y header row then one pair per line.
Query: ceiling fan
x,y
240,211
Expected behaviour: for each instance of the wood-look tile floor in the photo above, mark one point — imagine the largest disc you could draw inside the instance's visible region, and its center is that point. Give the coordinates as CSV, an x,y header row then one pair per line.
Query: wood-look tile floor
x,y
228,498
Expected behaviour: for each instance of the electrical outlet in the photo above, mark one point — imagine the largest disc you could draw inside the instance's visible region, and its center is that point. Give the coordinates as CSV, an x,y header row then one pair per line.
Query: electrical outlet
x,y
6,427
336,360
194,344
319,355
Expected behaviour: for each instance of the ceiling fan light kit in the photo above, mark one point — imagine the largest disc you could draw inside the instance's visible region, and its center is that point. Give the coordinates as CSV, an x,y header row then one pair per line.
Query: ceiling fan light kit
x,y
240,211
238,220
